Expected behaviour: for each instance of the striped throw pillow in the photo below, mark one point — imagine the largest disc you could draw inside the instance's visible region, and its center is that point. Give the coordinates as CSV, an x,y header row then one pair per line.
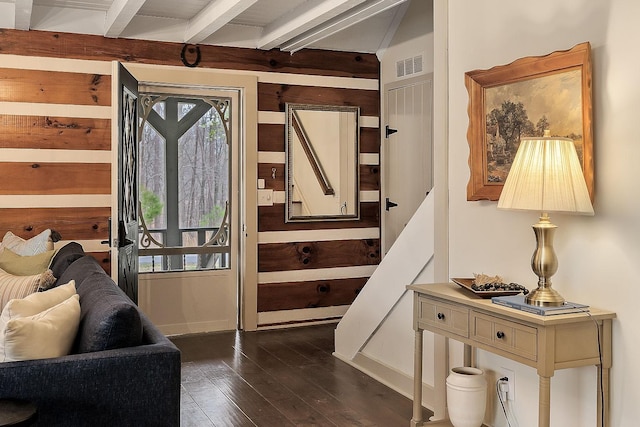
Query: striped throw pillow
x,y
14,287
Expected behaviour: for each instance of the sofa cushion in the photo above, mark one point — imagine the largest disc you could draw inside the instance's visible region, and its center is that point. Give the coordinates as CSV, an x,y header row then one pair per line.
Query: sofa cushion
x,y
12,286
79,269
108,318
64,257
40,336
24,265
33,246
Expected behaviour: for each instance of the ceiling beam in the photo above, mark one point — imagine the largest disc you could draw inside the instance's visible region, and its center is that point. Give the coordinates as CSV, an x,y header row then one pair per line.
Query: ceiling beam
x,y
120,15
305,17
23,11
213,17
391,30
339,23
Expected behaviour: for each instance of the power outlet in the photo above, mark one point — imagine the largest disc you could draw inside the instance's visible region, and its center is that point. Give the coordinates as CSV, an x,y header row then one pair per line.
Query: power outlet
x,y
511,377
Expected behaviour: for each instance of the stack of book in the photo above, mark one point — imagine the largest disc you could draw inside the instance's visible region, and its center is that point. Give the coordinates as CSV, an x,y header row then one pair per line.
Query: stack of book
x,y
518,302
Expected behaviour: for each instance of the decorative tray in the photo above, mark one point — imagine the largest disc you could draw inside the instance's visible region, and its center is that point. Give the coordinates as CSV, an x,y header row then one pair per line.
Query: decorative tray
x,y
467,282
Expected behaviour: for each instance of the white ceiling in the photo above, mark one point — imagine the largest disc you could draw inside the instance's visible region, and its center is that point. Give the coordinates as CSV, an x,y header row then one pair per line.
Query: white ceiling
x,y
346,25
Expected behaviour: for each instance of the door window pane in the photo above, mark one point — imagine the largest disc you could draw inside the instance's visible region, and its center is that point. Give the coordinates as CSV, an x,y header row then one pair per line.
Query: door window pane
x,y
184,172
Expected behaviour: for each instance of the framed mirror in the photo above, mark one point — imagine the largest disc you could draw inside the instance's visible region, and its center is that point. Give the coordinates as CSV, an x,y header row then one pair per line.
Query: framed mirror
x,y
322,171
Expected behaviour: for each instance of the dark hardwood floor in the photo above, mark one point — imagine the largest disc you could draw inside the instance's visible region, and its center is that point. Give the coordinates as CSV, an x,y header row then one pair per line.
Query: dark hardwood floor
x,y
285,377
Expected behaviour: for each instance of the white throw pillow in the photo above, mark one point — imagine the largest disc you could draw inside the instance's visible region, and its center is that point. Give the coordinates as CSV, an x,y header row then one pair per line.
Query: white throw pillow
x,y
12,287
33,246
37,302
44,335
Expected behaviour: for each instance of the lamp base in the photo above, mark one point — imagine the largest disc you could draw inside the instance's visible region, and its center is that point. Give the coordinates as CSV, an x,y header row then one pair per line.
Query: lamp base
x,y
545,297
544,264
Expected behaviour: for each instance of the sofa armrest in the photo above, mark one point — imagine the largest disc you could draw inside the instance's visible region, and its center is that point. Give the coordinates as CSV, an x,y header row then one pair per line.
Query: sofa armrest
x,y
135,385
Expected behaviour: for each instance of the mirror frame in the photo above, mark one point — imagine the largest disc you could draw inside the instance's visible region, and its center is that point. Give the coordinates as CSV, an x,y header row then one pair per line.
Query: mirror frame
x,y
290,108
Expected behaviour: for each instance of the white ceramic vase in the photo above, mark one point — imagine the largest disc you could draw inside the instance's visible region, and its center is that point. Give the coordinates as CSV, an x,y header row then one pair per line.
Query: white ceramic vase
x,y
466,396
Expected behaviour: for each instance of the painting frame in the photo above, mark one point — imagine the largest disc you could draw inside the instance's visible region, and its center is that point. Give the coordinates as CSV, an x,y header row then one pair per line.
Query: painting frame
x,y
528,69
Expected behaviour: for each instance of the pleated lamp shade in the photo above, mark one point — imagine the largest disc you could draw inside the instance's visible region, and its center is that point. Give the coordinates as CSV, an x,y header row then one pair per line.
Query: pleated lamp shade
x,y
546,176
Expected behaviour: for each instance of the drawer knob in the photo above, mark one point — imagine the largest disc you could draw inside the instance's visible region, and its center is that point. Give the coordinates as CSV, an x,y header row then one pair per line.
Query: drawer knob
x,y
500,334
440,316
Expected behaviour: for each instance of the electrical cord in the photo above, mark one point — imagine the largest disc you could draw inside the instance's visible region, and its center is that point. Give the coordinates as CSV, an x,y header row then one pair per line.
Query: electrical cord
x,y
499,394
506,408
595,322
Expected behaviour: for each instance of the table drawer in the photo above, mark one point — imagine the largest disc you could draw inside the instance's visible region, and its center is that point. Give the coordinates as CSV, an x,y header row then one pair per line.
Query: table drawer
x,y
446,317
505,335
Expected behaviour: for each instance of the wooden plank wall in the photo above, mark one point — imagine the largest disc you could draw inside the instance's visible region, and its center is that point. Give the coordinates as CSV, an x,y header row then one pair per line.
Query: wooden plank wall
x,y
55,143
315,264
55,168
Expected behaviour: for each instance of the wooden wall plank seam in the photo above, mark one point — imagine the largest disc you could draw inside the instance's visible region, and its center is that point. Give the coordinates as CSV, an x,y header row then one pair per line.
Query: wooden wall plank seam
x,y
46,155
318,235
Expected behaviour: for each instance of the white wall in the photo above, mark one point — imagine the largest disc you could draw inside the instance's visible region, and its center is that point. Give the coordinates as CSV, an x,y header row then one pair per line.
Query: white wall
x,y
598,256
413,37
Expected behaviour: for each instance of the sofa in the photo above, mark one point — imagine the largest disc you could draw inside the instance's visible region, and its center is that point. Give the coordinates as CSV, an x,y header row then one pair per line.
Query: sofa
x,y
122,371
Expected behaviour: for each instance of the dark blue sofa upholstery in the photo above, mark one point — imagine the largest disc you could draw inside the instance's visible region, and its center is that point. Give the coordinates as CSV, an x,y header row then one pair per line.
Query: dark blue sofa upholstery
x,y
123,370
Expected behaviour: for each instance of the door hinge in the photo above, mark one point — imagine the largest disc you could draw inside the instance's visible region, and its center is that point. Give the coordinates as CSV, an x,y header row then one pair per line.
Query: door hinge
x,y
388,131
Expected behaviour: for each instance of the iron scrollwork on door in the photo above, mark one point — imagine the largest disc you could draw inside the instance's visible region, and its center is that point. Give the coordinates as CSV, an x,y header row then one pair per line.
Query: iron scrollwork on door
x,y
129,161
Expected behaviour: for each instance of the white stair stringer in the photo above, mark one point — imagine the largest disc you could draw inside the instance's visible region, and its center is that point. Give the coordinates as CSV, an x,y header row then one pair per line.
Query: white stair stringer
x,y
408,256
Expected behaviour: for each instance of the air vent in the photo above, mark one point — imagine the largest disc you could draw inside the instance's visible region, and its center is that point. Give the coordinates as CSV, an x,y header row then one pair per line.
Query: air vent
x,y
417,64
400,69
409,66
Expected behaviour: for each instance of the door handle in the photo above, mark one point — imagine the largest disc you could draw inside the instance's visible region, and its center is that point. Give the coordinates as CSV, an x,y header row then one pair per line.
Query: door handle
x,y
122,235
125,242
390,204
108,241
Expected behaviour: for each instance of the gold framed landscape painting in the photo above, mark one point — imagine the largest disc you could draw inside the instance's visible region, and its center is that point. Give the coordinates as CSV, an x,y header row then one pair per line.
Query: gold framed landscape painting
x,y
523,99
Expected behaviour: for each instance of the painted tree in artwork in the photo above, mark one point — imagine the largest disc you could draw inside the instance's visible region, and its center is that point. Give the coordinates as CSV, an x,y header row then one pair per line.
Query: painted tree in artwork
x,y
513,123
541,126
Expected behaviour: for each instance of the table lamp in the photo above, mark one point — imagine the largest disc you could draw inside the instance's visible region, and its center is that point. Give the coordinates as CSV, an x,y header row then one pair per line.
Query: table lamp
x,y
546,176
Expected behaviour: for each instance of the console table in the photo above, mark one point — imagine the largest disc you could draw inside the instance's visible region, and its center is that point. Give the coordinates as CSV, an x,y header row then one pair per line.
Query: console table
x,y
546,343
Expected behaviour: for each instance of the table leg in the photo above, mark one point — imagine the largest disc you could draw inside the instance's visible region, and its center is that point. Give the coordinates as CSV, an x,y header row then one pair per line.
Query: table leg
x,y
468,356
417,380
440,373
603,397
544,395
